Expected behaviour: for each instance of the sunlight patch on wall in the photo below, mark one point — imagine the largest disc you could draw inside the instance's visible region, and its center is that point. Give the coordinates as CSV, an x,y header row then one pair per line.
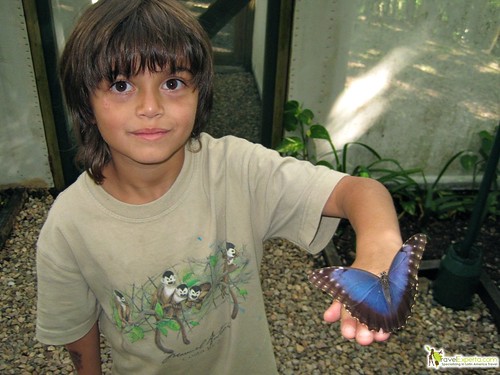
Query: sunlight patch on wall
x,y
426,69
492,67
366,98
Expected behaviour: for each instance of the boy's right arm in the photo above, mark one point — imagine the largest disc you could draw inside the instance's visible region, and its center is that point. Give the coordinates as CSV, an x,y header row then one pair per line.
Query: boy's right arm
x,y
86,353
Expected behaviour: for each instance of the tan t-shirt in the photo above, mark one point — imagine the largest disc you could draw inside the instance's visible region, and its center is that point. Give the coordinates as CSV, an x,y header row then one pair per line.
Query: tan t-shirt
x,y
175,283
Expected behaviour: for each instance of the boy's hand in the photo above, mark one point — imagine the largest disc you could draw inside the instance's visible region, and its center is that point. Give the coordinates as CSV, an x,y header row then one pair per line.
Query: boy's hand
x,y
350,327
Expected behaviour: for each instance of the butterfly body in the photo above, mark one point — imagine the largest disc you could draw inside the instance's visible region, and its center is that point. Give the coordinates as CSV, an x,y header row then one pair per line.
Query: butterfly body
x,y
381,302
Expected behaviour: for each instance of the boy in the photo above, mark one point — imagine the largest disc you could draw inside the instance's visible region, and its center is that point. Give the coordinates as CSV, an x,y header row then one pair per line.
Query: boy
x,y
158,243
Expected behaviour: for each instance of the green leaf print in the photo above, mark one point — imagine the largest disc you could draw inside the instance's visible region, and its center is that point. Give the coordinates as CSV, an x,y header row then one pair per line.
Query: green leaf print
x,y
187,276
191,283
159,311
136,334
116,317
173,325
189,280
162,327
213,260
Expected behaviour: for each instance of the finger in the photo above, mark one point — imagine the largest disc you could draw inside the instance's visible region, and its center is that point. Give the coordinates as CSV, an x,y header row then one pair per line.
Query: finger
x,y
352,328
381,336
363,335
348,325
332,314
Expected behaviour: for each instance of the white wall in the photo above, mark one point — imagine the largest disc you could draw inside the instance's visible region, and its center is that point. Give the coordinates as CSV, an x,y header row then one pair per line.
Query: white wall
x,y
23,150
24,159
412,92
408,93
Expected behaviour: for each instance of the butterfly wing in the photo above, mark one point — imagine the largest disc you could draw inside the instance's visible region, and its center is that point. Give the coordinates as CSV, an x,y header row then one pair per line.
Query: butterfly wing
x,y
359,291
403,279
378,302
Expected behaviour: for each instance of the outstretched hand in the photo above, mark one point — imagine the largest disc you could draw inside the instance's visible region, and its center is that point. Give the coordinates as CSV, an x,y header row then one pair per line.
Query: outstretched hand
x,y
350,327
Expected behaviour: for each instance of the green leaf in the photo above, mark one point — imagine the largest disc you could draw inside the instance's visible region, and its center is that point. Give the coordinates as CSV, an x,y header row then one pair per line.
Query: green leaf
x,y
362,171
187,279
319,132
290,122
292,106
468,161
116,317
243,292
409,207
486,145
159,311
187,276
213,260
290,145
136,334
325,164
306,116
162,327
173,325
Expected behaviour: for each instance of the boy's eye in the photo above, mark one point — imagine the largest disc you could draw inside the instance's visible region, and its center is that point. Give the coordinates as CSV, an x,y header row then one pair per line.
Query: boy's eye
x,y
121,86
173,84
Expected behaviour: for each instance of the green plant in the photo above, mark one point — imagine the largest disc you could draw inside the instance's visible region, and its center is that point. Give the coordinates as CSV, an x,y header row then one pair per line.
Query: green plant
x,y
430,199
475,162
299,144
423,199
440,202
299,123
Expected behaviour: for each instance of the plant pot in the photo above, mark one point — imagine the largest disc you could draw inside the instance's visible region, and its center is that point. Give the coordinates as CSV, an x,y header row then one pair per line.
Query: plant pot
x,y
457,279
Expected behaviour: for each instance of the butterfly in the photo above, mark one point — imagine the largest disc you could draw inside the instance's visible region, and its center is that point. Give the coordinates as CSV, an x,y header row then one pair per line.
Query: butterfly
x,y
380,302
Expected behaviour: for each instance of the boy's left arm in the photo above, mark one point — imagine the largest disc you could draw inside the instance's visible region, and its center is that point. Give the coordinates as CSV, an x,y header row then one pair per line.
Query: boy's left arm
x,y
368,206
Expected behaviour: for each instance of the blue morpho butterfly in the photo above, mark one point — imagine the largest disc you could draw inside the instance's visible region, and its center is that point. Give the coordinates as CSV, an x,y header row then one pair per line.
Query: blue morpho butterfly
x,y
380,302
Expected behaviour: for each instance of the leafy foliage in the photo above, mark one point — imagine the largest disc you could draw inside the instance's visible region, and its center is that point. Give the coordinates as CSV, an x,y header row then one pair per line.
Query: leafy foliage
x,y
421,199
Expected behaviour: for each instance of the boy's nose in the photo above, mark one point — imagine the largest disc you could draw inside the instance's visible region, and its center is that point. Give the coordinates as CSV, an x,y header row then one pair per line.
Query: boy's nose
x,y
150,104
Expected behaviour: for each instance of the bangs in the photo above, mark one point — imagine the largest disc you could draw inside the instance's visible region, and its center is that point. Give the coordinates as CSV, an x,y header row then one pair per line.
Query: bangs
x,y
144,41
130,54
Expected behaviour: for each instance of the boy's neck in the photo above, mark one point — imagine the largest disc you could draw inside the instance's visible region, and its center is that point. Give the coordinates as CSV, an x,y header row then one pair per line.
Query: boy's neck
x,y
140,185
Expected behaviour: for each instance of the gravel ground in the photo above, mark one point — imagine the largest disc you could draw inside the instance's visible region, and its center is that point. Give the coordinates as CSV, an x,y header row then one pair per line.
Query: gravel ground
x,y
303,343
237,108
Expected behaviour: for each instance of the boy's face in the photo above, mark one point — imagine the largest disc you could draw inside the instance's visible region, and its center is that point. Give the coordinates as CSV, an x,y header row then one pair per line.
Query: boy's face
x,y
148,118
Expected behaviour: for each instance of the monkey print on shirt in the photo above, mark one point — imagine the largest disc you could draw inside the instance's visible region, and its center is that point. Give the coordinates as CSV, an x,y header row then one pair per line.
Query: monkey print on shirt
x,y
170,306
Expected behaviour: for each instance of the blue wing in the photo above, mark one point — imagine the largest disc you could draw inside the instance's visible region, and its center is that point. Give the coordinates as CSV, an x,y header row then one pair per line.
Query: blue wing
x,y
381,302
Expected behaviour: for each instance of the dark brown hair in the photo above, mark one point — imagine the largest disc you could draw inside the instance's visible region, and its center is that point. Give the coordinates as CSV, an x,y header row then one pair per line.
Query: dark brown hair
x,y
117,37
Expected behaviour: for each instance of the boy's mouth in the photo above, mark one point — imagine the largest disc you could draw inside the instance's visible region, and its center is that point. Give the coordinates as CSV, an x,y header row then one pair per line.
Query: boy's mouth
x,y
150,134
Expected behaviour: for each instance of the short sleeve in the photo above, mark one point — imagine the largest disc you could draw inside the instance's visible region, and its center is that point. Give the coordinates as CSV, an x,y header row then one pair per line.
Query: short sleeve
x,y
67,308
288,197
